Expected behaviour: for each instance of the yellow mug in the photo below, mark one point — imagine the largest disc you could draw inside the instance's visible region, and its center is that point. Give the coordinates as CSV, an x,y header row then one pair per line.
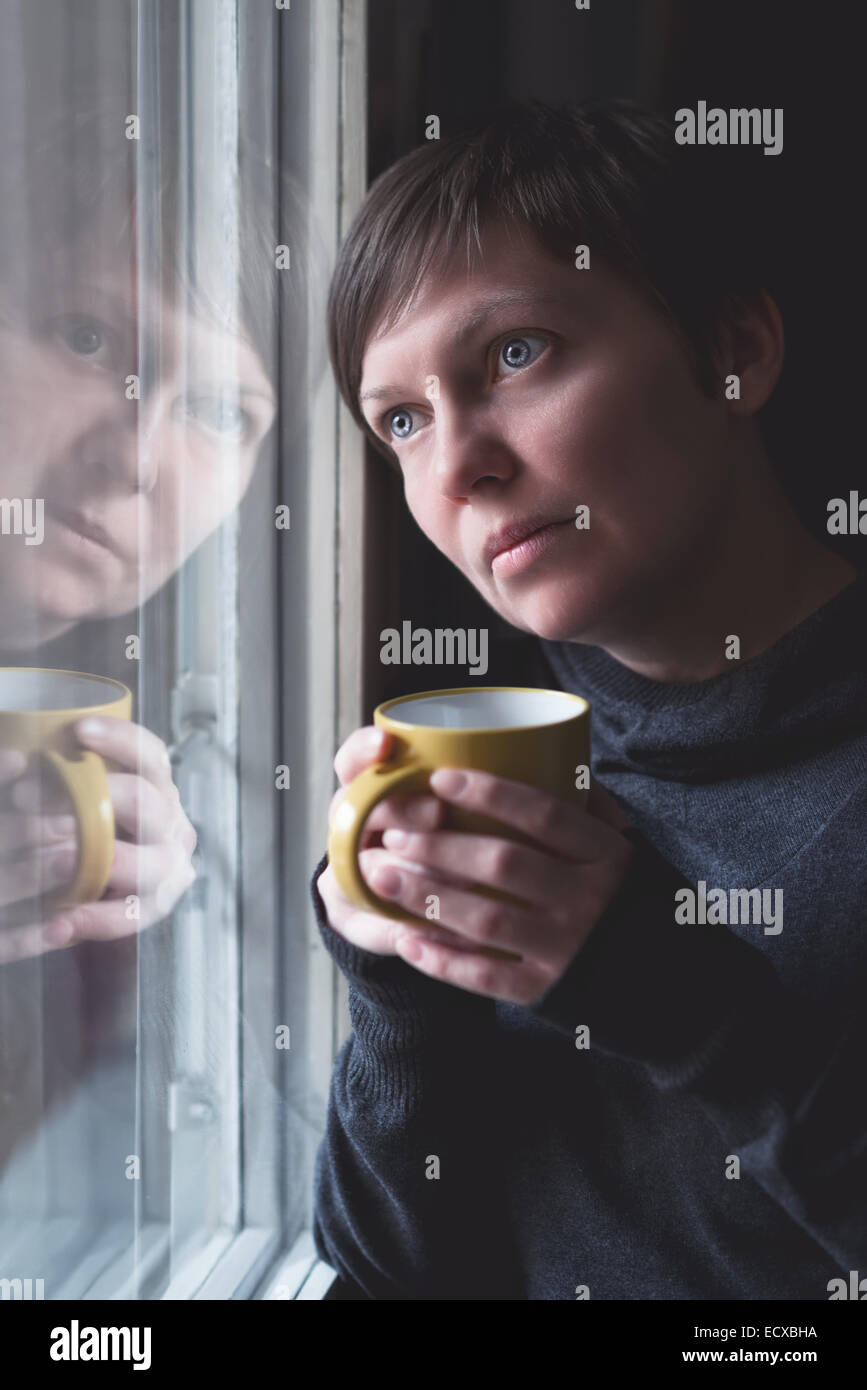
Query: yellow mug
x,y
37,708
525,734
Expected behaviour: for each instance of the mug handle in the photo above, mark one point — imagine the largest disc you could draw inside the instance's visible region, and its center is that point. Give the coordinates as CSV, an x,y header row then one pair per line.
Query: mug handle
x,y
87,785
359,798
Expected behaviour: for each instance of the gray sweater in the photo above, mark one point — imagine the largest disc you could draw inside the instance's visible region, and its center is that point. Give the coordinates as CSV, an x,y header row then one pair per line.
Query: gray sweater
x,y
711,1142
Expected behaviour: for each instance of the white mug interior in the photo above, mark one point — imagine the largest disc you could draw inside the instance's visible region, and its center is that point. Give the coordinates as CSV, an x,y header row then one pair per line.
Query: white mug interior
x,y
487,709
31,690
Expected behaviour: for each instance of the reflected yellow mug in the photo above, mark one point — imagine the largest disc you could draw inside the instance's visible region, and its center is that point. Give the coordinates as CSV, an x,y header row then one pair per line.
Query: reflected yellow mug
x,y
37,709
541,737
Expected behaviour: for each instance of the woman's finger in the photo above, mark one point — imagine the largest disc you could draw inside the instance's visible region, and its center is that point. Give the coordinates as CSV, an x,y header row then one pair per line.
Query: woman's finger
x,y
41,795
129,745
558,827
362,749
475,917
150,815
21,943
413,812
143,869
37,873
517,869
369,930
24,831
514,980
111,918
101,921
12,764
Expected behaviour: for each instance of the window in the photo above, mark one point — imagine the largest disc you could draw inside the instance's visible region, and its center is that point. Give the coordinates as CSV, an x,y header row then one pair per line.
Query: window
x,y
175,208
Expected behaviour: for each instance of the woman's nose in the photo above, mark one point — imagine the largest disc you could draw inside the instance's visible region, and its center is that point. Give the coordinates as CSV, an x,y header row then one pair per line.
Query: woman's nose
x,y
147,468
144,440
134,456
122,455
469,449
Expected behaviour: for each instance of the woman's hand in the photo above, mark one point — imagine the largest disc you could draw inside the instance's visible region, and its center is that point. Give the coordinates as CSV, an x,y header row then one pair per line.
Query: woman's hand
x,y
38,850
417,812
565,881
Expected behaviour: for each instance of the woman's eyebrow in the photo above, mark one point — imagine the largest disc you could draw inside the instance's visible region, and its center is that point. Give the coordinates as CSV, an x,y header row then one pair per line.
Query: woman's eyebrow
x,y
111,301
521,299
470,324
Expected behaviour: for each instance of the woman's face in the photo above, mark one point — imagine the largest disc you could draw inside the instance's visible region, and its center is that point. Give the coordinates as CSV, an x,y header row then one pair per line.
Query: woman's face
x,y
571,391
130,486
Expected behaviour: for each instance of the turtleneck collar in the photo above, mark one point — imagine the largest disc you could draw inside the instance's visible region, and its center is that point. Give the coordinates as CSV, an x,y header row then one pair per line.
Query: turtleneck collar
x,y
801,688
731,777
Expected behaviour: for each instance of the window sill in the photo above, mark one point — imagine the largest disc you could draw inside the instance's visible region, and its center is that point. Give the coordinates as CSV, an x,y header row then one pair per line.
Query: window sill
x,y
248,1265
299,1274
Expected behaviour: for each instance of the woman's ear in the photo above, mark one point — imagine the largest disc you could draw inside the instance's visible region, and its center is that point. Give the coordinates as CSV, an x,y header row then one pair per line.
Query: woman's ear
x,y
749,355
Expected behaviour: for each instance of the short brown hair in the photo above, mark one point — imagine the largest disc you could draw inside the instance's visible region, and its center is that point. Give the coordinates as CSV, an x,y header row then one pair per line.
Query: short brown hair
x,y
611,176
73,182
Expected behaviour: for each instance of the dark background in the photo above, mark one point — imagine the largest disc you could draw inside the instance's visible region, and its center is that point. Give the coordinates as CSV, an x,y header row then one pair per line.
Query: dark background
x,y
460,58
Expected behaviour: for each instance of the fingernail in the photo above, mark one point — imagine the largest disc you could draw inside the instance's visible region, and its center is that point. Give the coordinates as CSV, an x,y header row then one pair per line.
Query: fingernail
x,y
394,839
448,781
12,761
373,738
387,882
57,933
427,813
91,725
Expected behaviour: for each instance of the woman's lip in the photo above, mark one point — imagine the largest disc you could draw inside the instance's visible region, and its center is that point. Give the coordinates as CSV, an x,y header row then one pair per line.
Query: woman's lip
x,y
522,554
83,529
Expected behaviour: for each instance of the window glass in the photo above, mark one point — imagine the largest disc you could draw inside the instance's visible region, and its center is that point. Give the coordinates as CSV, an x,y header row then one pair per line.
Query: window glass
x,y
164,249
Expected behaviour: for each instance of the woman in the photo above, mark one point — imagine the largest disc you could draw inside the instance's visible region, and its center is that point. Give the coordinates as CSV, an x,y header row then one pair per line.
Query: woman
x,y
656,1100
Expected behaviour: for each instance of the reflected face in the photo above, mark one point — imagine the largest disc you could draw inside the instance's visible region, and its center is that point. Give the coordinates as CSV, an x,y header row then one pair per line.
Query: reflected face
x,y
130,487
525,389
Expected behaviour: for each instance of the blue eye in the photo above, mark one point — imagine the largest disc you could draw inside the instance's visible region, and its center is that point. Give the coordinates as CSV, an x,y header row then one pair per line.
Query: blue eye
x,y
401,414
222,414
517,353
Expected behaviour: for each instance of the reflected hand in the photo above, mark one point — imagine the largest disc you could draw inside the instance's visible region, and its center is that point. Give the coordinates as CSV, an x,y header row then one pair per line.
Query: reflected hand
x,y
38,850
